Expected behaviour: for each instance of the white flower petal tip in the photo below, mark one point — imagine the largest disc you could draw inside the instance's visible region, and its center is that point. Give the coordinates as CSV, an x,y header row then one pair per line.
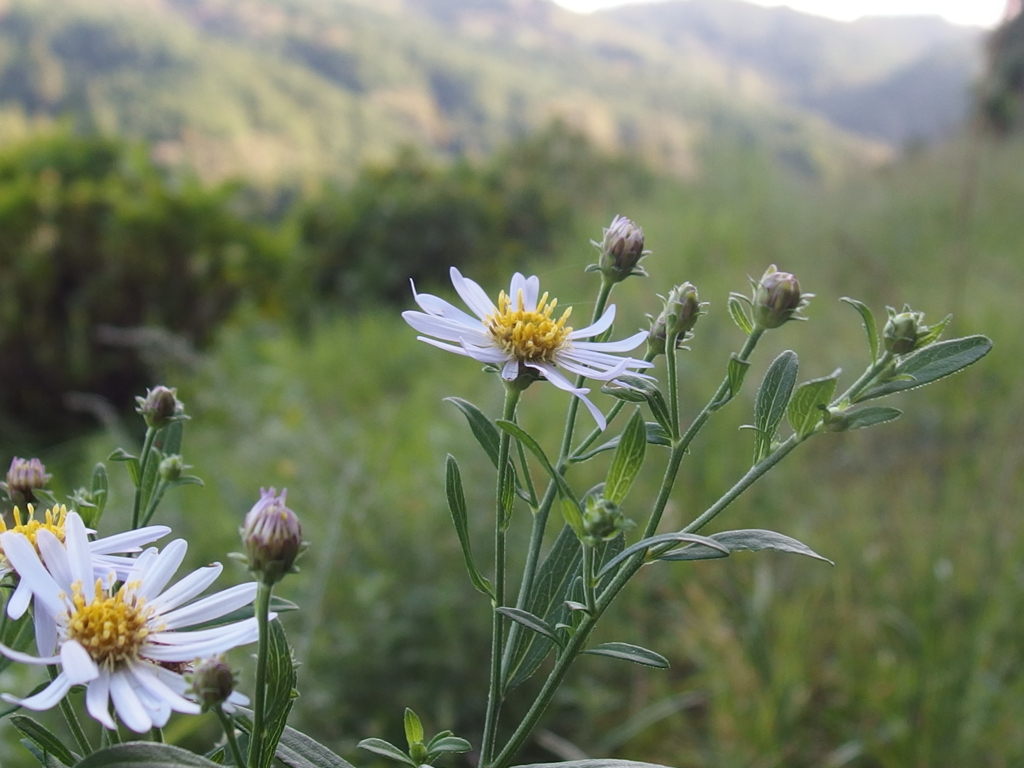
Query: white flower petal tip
x,y
524,331
122,668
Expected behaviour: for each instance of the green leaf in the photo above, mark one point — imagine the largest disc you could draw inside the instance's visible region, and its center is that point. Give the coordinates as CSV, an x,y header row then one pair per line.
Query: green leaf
x,y
932,363
134,470
385,749
277,605
656,435
634,389
869,324
46,741
483,428
755,540
508,494
739,315
629,652
735,374
573,517
662,538
184,480
771,402
446,744
593,763
17,634
168,439
627,461
413,728
297,750
99,488
457,506
551,589
804,411
529,621
144,754
533,446
281,679
868,417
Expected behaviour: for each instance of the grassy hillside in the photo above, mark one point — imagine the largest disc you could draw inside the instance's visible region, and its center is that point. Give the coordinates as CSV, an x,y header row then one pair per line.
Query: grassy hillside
x,y
291,89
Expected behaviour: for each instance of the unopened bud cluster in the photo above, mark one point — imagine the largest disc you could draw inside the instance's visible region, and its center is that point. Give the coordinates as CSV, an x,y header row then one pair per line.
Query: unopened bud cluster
x,y
160,407
603,520
213,682
24,477
272,536
904,331
682,308
777,299
621,249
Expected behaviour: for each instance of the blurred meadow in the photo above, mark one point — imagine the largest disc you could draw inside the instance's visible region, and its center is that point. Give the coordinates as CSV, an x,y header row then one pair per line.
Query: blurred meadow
x,y
272,302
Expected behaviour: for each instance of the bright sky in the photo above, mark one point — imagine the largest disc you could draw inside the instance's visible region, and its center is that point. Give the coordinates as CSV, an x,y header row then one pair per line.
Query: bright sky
x,y
985,13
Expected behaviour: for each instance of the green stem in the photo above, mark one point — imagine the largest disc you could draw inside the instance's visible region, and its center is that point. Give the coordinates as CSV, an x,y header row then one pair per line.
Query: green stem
x,y
588,579
158,735
147,448
72,719
154,502
262,652
865,379
497,622
671,366
228,724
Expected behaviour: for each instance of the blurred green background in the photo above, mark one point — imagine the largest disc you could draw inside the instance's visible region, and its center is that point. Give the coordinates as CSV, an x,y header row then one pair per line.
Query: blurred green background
x,y
167,218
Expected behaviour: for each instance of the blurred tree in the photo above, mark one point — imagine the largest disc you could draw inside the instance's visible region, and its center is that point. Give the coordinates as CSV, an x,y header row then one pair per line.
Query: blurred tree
x,y
97,241
1001,101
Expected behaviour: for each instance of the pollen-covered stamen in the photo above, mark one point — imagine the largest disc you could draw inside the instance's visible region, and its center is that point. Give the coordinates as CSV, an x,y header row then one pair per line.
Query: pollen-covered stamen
x,y
54,523
112,628
528,335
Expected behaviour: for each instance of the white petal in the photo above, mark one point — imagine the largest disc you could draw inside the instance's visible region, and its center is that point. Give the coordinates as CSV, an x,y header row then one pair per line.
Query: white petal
x,y
471,293
188,647
209,608
603,324
624,345
162,569
46,632
434,305
127,704
22,555
187,588
27,658
555,376
581,369
484,353
595,412
179,637
46,698
147,676
445,329
97,700
510,371
77,663
531,293
110,568
76,542
55,558
19,601
129,541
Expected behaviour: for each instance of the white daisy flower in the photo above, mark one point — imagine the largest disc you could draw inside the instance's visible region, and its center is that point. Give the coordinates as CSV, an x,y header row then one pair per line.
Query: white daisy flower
x,y
105,559
521,333
125,645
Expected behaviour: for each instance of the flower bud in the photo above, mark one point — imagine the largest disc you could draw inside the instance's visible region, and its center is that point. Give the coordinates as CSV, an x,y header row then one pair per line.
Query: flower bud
x,y
602,520
682,308
777,299
159,406
904,331
621,250
272,536
212,682
24,477
171,468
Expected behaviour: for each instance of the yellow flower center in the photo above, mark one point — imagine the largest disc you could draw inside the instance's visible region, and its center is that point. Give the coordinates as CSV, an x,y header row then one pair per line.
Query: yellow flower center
x,y
54,523
113,627
528,336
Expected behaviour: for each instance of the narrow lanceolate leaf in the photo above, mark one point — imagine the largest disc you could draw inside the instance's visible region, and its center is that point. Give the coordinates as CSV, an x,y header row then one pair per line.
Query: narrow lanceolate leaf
x,y
533,446
739,315
528,620
281,693
17,634
413,728
145,754
804,411
663,538
771,402
754,540
932,363
483,429
656,435
46,741
735,374
869,324
297,750
99,488
868,417
446,744
634,389
573,517
385,749
133,464
457,506
629,652
593,763
168,439
550,591
628,458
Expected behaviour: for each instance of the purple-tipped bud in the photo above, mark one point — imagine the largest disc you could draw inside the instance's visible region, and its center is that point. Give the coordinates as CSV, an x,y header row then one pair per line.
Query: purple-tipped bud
x,y
904,331
159,406
621,250
272,536
24,477
777,299
682,308
212,682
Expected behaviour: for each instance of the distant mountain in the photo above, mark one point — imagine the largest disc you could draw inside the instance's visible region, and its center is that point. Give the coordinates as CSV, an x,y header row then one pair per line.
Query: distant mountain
x,y
897,79
289,89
